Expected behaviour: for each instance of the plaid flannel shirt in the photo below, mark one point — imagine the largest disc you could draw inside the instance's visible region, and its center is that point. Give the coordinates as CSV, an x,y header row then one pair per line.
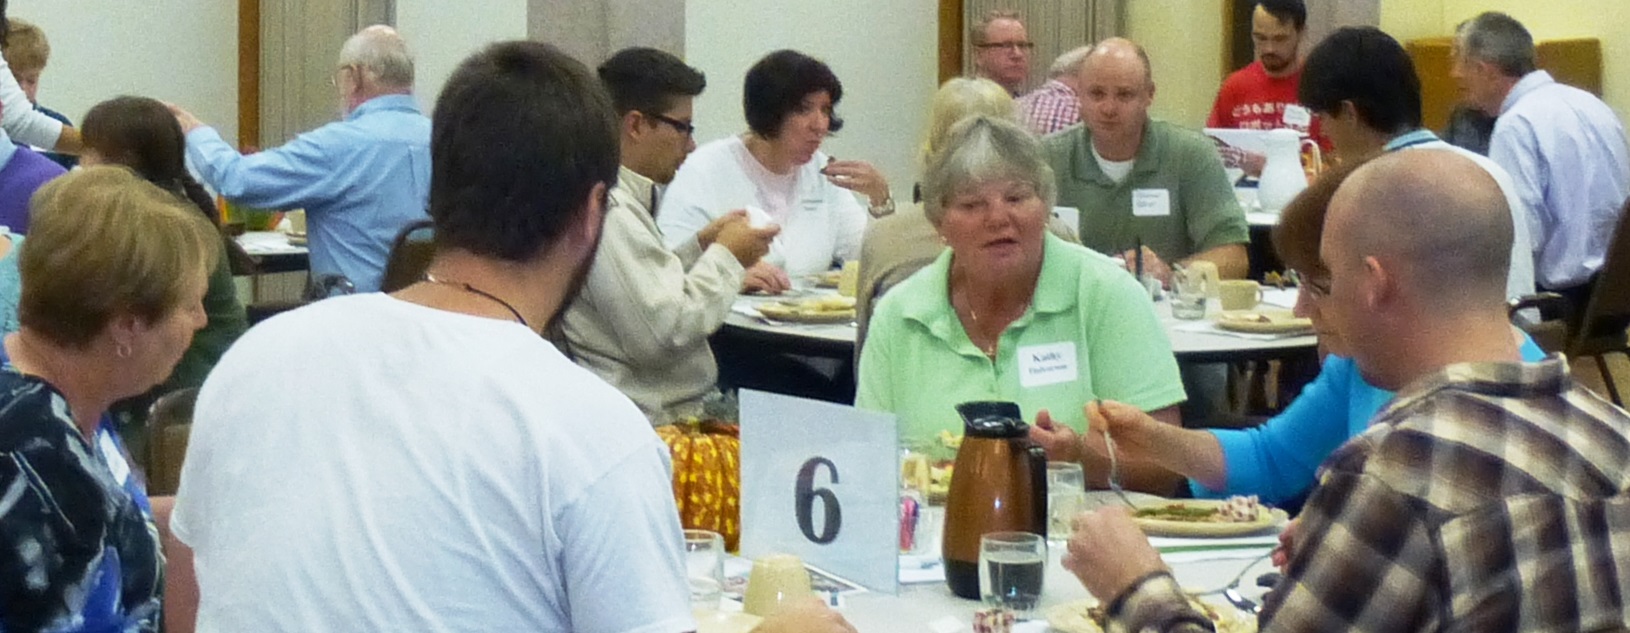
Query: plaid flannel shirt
x,y
1486,497
1049,108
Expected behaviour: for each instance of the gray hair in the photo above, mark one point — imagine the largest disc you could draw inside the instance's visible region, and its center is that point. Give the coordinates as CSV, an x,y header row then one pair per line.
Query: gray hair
x,y
382,55
1498,39
980,150
1069,63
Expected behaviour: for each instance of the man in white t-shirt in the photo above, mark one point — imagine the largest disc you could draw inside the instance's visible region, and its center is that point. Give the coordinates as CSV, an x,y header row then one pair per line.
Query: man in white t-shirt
x,y
435,465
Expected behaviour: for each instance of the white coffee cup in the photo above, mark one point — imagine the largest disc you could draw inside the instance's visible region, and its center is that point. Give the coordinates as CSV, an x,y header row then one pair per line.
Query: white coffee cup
x,y
1239,294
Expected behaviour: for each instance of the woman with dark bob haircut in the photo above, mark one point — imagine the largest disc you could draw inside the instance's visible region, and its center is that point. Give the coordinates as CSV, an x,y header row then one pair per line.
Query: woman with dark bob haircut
x,y
777,172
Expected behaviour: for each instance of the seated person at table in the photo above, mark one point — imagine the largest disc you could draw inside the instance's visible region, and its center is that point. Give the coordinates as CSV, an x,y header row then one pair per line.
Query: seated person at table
x,y
1488,495
1362,84
113,280
22,171
1275,461
27,50
1011,312
644,314
481,481
901,244
1137,179
778,167
22,121
142,134
360,180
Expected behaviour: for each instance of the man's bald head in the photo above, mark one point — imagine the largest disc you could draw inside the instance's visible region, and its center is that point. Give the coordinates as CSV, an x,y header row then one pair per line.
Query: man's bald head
x,y
1435,221
1117,53
383,57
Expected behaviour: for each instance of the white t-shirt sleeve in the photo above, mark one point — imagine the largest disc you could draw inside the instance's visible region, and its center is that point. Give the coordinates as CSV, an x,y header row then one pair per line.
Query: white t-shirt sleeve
x,y
19,118
849,218
624,561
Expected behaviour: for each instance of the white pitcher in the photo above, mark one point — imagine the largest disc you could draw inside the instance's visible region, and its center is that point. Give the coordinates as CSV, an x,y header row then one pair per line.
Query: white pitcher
x,y
1282,175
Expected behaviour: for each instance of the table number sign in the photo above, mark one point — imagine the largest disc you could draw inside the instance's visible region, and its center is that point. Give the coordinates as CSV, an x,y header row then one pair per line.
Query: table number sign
x,y
821,481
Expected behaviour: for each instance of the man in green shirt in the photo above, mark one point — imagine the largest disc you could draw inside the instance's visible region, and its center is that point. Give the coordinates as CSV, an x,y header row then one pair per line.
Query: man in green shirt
x,y
1139,180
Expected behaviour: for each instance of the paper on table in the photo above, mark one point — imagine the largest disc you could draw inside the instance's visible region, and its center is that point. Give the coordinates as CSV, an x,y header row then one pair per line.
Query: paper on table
x,y
1208,327
921,569
1280,297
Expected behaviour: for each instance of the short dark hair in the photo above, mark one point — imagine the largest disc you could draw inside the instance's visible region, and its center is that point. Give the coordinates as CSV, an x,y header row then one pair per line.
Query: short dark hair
x,y
777,85
521,134
1363,65
1292,11
1498,39
648,80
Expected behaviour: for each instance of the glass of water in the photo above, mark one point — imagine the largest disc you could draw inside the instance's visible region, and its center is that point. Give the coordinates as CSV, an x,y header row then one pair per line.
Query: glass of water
x,y
1188,294
1011,567
704,568
1066,497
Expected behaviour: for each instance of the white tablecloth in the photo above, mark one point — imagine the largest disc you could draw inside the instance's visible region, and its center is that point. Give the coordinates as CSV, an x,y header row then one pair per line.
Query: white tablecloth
x,y
261,243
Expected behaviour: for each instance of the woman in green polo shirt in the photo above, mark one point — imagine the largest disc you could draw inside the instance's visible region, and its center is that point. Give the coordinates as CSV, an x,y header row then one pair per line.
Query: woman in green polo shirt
x,y
1010,312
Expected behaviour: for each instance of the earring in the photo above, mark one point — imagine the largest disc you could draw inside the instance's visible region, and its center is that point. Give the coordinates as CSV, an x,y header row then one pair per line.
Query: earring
x,y
122,351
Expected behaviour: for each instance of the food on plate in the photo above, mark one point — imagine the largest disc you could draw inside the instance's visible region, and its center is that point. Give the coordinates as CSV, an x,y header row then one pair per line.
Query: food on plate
x,y
1087,616
1263,321
1235,509
832,309
828,279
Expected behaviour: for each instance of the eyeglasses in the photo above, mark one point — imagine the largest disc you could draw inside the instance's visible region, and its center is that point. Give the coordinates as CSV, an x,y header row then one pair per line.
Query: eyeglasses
x,y
1021,47
684,127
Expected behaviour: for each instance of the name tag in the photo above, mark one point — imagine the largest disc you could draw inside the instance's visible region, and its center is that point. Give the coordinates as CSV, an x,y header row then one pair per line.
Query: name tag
x,y
1151,203
1298,117
1042,365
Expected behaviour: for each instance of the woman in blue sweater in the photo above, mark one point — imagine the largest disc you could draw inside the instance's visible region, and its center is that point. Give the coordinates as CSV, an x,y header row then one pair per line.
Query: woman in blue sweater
x,y
1277,460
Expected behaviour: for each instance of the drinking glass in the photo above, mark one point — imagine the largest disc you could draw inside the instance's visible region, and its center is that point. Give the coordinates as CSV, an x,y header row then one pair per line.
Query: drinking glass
x,y
1188,294
1066,497
1011,567
704,568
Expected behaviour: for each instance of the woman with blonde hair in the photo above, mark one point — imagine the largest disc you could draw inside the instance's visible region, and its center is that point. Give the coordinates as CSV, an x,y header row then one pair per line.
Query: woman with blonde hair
x,y
896,246
113,278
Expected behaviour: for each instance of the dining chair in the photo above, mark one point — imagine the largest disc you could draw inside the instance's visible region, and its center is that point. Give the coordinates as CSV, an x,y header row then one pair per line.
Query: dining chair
x,y
169,423
410,256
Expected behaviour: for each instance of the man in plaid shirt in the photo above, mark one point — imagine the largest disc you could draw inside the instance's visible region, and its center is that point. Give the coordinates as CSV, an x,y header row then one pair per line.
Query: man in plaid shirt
x,y
1054,105
1486,496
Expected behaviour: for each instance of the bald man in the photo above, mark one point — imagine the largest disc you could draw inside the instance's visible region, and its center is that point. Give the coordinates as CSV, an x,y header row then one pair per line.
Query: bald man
x,y
1140,180
360,180
1488,495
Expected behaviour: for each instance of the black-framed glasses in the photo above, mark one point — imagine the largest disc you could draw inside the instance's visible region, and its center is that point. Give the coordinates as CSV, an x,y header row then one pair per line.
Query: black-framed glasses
x,y
684,127
1023,47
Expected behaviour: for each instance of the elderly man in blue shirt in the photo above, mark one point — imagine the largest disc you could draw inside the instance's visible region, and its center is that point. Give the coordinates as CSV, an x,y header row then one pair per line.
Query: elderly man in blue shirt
x,y
360,180
1565,149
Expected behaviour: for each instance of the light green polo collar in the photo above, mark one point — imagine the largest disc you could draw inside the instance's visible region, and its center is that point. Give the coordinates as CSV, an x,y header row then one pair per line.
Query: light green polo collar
x,y
1147,161
1054,294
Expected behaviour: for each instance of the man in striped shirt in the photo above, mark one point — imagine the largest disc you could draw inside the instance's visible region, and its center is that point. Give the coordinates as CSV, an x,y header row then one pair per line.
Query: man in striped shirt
x,y
1488,495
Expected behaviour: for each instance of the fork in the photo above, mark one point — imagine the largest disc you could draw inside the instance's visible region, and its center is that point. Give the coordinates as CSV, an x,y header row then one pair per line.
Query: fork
x,y
1114,465
1230,591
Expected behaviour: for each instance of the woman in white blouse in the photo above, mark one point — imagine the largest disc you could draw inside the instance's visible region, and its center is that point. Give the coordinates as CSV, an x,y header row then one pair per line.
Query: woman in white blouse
x,y
777,167
18,117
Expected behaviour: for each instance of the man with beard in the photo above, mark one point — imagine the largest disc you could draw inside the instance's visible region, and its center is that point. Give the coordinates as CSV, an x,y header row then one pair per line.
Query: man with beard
x,y
434,464
1262,95
643,319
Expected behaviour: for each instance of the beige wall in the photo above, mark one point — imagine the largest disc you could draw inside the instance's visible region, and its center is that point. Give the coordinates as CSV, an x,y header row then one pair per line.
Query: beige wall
x,y
441,34
1184,40
1607,20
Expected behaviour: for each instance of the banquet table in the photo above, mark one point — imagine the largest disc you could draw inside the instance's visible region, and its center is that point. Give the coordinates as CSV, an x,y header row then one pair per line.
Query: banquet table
x,y
273,252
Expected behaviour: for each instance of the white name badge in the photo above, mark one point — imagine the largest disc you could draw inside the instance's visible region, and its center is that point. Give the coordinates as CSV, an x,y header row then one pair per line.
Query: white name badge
x,y
821,481
1297,116
1071,217
1151,203
1042,365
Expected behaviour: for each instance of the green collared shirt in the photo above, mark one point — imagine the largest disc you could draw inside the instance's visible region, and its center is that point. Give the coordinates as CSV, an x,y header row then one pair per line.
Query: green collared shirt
x,y
1185,204
1090,332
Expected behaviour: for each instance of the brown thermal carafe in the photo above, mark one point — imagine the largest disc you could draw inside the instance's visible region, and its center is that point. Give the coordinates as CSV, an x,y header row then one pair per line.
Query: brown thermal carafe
x,y
999,485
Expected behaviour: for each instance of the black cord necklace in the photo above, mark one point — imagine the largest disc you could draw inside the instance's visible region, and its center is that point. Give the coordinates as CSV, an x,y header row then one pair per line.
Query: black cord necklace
x,y
469,288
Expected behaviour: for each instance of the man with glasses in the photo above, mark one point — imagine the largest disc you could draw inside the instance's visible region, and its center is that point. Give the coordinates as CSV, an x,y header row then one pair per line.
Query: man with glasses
x,y
644,314
1262,95
1002,50
360,180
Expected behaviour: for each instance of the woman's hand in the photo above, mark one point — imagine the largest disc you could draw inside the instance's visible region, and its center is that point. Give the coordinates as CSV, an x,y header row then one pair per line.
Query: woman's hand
x,y
1059,440
859,176
1108,552
1137,435
766,278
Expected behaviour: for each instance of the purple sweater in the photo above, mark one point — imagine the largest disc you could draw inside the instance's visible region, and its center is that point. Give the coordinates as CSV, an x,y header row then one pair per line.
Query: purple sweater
x,y
24,173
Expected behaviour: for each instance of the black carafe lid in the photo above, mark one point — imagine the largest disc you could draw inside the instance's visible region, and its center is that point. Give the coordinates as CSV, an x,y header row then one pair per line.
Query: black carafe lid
x,y
995,420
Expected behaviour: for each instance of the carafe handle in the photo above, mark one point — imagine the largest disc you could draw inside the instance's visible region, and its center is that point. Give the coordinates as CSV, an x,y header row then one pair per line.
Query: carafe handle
x,y
1038,489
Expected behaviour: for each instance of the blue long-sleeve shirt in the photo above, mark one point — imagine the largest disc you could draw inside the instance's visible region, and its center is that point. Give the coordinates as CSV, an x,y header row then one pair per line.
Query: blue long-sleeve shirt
x,y
1277,460
360,181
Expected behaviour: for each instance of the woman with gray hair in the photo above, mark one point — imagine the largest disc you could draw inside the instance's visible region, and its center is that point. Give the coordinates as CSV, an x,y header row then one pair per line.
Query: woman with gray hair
x,y
1009,312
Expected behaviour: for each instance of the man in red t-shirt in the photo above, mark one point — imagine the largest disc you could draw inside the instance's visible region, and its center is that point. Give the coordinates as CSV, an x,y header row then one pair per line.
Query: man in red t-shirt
x,y
1262,96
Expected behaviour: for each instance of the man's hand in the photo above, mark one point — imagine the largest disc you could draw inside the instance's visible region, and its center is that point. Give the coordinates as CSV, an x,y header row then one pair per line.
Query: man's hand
x,y
1059,440
186,119
766,278
1108,552
809,615
858,176
1252,163
710,233
1152,265
748,244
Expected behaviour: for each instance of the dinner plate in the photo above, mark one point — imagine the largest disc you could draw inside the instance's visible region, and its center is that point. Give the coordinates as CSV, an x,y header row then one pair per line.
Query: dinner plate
x,y
1264,322
828,279
812,310
1071,617
1265,519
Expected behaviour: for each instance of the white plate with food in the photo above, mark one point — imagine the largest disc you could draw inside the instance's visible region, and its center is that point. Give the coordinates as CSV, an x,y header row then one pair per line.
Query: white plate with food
x,y
1085,616
828,279
1235,516
1266,321
830,309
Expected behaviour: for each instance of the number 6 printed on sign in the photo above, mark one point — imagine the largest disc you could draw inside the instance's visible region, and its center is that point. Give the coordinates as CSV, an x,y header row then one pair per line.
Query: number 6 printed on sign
x,y
806,494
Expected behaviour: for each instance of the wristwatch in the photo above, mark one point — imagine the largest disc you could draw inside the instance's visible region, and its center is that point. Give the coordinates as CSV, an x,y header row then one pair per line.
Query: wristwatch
x,y
880,210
